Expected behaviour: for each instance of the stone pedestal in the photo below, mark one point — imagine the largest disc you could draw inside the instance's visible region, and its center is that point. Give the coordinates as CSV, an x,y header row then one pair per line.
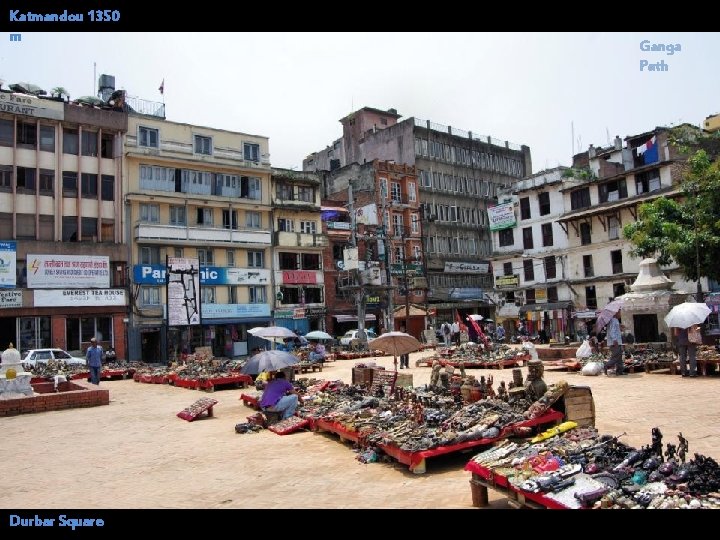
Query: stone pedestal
x,y
20,383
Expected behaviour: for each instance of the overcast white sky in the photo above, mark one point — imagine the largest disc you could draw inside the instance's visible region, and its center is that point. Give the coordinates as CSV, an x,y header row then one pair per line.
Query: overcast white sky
x,y
294,87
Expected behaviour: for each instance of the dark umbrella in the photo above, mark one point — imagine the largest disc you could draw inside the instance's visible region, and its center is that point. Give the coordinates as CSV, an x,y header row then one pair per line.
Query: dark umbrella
x,y
269,361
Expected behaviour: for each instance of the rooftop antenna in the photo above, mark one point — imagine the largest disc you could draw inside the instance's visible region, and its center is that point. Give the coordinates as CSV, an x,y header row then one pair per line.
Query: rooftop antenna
x,y
607,133
95,79
572,136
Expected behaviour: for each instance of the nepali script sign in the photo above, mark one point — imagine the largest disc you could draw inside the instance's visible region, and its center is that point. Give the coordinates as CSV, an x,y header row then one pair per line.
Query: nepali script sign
x,y
501,216
67,271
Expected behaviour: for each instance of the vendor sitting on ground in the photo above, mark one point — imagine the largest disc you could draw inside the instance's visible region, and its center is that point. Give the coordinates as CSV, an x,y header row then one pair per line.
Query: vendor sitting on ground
x,y
318,352
279,396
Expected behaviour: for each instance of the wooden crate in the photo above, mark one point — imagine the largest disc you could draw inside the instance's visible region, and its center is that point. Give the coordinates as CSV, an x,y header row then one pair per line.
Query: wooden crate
x,y
362,376
579,406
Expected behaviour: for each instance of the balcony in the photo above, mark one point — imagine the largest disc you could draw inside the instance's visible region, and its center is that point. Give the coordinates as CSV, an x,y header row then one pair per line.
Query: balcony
x,y
180,233
293,239
295,204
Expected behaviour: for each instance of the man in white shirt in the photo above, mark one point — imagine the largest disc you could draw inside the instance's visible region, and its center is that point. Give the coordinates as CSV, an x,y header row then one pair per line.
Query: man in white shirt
x,y
455,332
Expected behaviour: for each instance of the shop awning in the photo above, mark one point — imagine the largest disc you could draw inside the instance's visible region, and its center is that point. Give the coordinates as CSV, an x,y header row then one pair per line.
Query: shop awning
x,y
545,307
414,312
351,318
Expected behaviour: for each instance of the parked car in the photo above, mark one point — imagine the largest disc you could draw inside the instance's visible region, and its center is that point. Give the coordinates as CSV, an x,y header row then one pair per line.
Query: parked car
x,y
346,340
33,356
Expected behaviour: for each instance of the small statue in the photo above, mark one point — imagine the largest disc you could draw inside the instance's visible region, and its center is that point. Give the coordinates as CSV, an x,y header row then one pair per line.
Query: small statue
x,y
656,445
682,447
462,369
535,386
502,391
670,452
435,375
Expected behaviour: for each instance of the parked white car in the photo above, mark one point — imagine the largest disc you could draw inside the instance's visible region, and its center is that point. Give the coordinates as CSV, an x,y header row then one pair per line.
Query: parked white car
x,y
43,356
346,340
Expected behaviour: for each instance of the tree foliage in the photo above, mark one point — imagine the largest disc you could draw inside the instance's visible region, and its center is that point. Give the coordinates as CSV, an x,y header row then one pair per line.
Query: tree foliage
x,y
685,231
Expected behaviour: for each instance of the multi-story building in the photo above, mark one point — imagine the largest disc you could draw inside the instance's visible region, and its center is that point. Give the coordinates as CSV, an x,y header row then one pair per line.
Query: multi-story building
x,y
531,255
458,176
603,195
298,244
389,234
200,193
63,259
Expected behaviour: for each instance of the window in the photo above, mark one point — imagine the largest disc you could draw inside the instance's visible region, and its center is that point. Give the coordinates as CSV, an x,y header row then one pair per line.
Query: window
x,y
89,143
7,132
313,295
205,256
25,226
150,213
148,137
580,198
613,228
547,234
395,192
525,208
414,223
232,294
286,225
588,266
70,229
71,143
306,194
529,270
106,146
88,186
544,202
311,261
149,255
178,252
89,228
230,257
47,228
47,138
647,181
26,180
308,227
251,152
70,179
47,182
284,192
178,215
590,298
149,296
552,294
616,258
506,237
527,238
205,216
107,230
288,261
257,295
107,187
550,268
507,269
612,191
256,259
6,177
412,194
290,295
250,188
230,220
203,145
207,295
252,220
585,233
618,289
26,135
398,227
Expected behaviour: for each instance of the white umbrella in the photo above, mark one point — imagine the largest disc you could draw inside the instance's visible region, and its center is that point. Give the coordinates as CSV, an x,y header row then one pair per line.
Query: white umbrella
x,y
269,361
687,314
318,334
476,317
273,332
253,330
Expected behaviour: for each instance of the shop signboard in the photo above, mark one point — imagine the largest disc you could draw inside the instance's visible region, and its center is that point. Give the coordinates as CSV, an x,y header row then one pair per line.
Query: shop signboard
x,y
501,216
372,301
31,106
154,274
339,225
466,268
299,313
183,291
235,311
8,264
540,296
367,215
79,297
315,311
507,281
11,299
283,314
396,269
299,276
67,271
466,293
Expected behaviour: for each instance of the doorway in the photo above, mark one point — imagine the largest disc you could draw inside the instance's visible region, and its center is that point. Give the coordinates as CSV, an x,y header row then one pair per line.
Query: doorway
x,y
150,343
646,328
8,325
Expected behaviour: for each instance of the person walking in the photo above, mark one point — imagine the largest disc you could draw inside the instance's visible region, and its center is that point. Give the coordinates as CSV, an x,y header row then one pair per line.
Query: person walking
x,y
614,341
94,360
686,348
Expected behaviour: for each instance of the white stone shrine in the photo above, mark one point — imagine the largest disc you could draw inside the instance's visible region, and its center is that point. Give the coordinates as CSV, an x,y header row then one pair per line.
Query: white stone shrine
x,y
13,377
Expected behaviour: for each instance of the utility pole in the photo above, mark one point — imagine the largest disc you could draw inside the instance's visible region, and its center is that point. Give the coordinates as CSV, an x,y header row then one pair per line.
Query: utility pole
x,y
698,293
405,281
388,250
360,292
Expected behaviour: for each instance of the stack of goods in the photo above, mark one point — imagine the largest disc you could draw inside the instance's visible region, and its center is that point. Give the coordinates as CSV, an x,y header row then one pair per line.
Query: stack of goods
x,y
578,468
